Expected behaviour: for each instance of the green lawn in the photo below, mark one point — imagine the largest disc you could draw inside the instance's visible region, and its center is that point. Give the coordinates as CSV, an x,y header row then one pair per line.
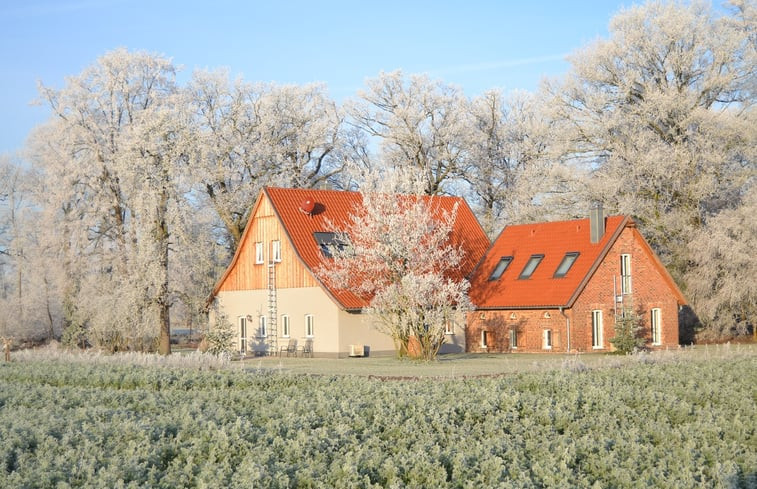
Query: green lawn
x,y
476,364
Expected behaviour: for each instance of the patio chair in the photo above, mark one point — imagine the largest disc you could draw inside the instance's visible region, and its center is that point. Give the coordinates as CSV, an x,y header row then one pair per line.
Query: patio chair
x,y
290,348
307,348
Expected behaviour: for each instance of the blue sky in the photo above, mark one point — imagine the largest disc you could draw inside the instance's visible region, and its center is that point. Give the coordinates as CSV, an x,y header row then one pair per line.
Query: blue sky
x,y
476,45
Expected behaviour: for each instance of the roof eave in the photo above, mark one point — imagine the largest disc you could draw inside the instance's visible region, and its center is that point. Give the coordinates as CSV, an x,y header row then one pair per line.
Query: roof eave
x,y
521,307
235,258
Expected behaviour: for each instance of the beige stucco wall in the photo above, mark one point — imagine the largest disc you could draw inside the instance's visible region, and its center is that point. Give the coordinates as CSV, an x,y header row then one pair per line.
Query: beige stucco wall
x,y
334,329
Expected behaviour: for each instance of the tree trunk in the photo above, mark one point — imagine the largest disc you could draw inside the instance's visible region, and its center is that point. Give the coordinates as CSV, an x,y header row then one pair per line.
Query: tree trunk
x,y
163,299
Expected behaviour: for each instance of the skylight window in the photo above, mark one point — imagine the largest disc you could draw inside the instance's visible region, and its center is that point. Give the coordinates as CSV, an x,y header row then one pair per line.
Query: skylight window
x,y
566,263
328,242
504,262
528,270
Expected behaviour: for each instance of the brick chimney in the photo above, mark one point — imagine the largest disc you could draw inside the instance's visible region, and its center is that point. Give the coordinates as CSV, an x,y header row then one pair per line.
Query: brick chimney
x,y
597,222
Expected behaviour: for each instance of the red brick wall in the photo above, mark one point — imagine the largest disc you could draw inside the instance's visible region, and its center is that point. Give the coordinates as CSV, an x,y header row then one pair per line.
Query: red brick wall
x,y
649,290
529,325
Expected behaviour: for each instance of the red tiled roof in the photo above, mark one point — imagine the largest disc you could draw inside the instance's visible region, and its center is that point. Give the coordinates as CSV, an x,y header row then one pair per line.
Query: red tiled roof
x,y
542,289
336,206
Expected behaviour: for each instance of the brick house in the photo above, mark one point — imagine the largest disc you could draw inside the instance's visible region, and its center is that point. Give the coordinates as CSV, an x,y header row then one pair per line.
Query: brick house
x,y
559,287
272,297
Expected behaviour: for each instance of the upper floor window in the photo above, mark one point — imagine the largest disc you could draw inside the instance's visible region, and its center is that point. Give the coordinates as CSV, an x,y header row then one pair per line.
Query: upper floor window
x,y
528,270
625,274
504,262
568,260
276,250
259,258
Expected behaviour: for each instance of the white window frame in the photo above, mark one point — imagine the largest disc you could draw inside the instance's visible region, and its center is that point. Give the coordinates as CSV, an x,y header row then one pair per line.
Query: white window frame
x,y
547,339
513,339
309,326
483,339
655,321
262,326
285,326
597,329
259,255
276,250
449,327
242,333
625,274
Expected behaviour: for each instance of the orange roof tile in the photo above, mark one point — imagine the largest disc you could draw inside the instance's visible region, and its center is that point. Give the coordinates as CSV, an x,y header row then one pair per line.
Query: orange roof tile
x,y
336,206
542,289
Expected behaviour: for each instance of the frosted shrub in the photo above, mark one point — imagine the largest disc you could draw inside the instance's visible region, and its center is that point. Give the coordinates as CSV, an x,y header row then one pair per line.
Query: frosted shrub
x,y
220,339
676,424
52,353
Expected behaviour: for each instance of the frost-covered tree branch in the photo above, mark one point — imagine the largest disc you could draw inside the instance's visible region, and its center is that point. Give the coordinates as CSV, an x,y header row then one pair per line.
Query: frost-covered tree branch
x,y
395,252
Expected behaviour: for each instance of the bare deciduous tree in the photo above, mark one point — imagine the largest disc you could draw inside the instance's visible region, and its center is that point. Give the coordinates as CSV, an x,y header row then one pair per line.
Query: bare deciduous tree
x,y
419,124
660,113
246,136
722,278
115,149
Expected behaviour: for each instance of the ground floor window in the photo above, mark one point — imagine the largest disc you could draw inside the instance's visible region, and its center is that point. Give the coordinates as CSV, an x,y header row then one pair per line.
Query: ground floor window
x,y
484,339
656,323
262,330
547,339
242,334
285,326
513,339
309,326
596,329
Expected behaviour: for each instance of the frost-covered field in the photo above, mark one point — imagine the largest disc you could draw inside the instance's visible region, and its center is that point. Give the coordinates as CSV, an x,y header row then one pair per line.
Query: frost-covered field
x,y
677,421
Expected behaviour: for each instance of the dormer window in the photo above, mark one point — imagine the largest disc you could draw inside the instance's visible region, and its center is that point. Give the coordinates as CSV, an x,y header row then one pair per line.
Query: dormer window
x,y
566,263
528,270
504,262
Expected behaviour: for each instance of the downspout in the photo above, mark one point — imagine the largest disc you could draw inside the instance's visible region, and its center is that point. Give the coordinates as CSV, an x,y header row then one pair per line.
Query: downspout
x,y
567,327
